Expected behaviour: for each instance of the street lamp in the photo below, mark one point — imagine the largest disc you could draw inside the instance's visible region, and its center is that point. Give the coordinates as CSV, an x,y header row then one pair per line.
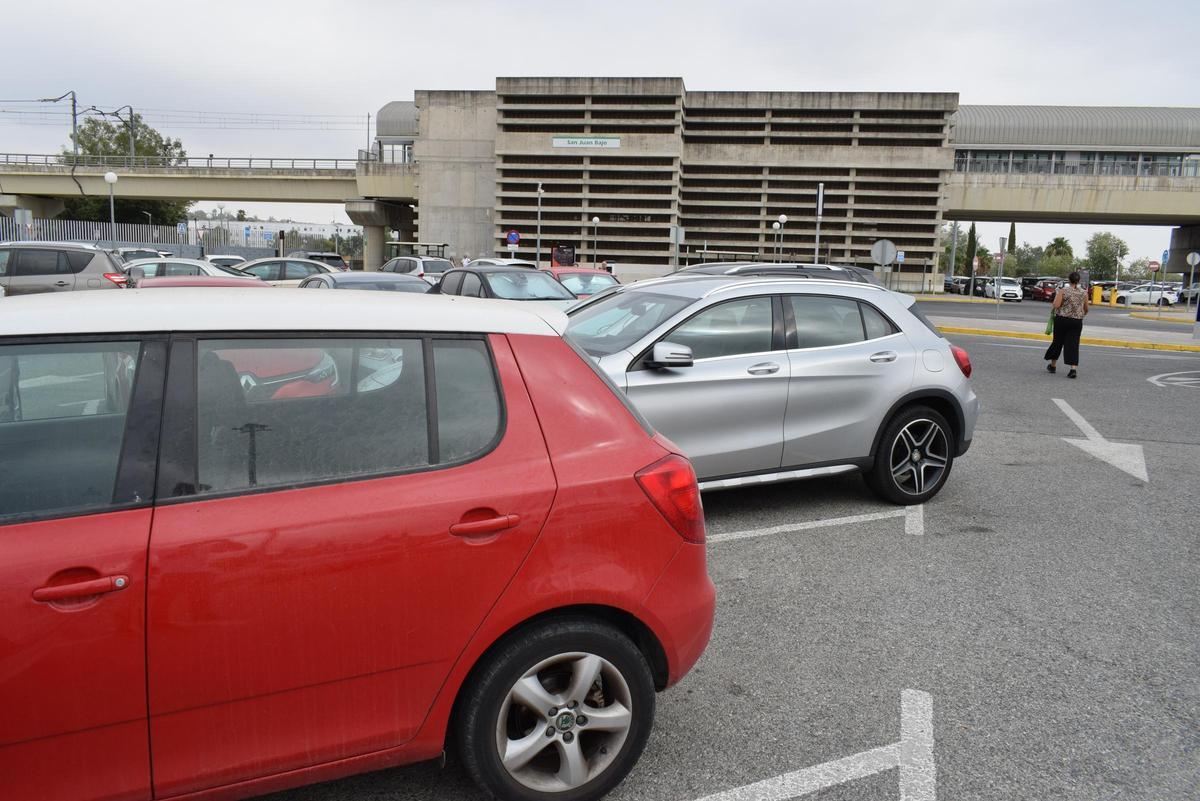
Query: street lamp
x,y
782,222
595,238
775,244
538,258
110,178
224,229
149,218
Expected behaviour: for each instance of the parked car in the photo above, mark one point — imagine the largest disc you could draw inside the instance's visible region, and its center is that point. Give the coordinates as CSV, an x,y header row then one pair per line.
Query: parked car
x,y
583,282
836,272
27,268
1191,293
429,268
762,380
1010,289
286,589
207,281
949,284
159,267
332,259
490,262
387,282
1046,289
506,283
1148,294
127,255
284,272
225,260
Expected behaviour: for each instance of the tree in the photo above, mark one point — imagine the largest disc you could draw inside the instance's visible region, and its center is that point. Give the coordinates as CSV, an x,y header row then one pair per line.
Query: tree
x,y
960,253
241,215
1059,247
1026,259
1012,237
100,137
972,243
1138,270
1104,251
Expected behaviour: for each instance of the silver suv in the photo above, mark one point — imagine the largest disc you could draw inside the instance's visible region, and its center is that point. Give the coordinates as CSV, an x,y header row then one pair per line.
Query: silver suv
x,y
767,379
30,267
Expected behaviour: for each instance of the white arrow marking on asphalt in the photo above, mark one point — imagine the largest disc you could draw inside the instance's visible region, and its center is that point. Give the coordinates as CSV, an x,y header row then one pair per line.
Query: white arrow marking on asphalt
x,y
1126,457
1188,378
914,524
913,755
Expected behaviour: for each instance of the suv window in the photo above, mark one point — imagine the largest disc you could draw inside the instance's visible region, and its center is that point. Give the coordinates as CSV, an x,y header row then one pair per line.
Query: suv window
x,y
472,287
727,329
824,321
437,265
41,261
5,255
78,260
62,422
269,271
876,324
451,282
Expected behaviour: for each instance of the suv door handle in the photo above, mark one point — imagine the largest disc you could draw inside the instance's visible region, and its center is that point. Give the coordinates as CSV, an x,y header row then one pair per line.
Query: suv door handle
x,y
80,589
883,356
489,526
763,368
60,283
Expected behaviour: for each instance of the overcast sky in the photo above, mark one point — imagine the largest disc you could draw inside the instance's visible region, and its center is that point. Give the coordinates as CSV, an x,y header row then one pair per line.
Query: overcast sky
x,y
346,59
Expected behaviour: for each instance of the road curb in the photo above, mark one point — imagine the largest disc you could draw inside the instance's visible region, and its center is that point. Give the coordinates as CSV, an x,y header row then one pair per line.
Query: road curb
x,y
1112,343
1149,316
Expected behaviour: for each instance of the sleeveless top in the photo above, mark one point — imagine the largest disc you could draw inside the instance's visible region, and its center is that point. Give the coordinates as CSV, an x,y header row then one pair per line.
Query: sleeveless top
x,y
1074,299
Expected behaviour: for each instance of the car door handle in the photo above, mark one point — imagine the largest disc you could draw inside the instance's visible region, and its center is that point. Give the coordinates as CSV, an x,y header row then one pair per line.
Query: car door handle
x,y
489,526
60,283
763,368
883,356
80,589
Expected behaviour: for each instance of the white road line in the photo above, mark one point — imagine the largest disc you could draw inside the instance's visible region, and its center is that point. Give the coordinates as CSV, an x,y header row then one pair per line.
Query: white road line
x,y
806,525
914,520
1077,418
1127,457
913,755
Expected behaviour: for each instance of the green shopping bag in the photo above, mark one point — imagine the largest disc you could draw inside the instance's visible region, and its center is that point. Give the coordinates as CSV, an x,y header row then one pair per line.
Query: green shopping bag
x,y
1050,325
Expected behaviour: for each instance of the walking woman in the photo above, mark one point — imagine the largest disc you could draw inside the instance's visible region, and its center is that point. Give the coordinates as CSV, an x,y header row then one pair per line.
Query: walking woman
x,y
1070,306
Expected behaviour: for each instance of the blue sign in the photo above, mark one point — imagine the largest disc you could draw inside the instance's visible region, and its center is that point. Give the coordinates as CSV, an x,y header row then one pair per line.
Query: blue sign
x,y
247,232
269,236
513,238
1166,257
900,256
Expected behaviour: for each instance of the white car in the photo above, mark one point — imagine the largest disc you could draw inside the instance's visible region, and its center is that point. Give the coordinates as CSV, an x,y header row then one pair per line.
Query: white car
x,y
1149,294
490,262
287,271
225,260
1010,289
159,268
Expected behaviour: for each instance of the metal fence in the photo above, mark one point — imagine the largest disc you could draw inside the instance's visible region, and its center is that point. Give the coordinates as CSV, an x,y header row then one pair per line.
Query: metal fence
x,y
209,235
1188,168
59,160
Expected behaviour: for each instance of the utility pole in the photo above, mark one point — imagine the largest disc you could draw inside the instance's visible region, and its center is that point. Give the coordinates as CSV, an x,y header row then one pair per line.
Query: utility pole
x,y
953,248
820,208
538,258
74,118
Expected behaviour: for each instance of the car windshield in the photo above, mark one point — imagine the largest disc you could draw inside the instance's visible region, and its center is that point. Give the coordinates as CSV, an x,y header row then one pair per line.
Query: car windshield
x,y
617,321
587,283
436,266
418,286
526,286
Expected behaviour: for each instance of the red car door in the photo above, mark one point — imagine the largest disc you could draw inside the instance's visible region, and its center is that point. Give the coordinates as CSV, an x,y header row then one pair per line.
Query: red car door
x,y
305,605
77,445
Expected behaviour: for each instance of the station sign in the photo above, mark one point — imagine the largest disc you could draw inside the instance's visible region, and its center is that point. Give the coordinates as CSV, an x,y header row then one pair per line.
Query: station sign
x,y
608,142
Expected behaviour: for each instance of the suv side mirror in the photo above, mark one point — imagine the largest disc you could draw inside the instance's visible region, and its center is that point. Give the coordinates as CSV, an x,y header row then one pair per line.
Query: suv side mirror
x,y
668,354
135,274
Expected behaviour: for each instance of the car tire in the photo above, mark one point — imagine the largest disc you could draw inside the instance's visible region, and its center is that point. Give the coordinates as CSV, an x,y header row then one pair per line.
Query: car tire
x,y
496,711
914,458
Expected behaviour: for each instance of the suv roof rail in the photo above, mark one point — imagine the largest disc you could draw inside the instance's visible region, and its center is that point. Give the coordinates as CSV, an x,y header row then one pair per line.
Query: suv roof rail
x,y
791,281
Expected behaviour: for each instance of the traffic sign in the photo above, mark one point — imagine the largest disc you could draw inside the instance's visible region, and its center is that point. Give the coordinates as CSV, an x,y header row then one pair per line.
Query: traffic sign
x,y
1193,259
268,236
181,229
883,252
1166,256
513,238
900,256
975,262
1154,266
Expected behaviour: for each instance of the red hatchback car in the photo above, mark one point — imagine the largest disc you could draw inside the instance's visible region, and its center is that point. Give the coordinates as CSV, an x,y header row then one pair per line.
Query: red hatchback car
x,y
213,592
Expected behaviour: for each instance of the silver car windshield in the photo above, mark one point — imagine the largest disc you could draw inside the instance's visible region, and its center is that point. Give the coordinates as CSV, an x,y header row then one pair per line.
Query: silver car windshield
x,y
615,322
527,286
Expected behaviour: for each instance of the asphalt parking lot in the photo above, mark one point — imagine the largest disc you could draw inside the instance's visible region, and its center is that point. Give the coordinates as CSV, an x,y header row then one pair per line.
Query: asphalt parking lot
x,y
1038,311
1041,613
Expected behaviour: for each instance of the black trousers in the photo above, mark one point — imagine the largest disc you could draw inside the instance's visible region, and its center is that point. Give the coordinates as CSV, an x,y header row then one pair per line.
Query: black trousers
x,y
1066,340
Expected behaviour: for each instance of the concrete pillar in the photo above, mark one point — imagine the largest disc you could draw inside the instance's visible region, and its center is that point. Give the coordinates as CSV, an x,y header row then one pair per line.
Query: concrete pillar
x,y
43,208
374,237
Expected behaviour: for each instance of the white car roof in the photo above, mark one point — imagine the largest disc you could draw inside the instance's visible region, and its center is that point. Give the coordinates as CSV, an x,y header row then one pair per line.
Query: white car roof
x,y
202,309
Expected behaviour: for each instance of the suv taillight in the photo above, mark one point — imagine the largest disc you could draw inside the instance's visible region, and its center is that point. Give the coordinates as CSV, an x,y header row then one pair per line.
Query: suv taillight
x,y
964,361
120,279
670,484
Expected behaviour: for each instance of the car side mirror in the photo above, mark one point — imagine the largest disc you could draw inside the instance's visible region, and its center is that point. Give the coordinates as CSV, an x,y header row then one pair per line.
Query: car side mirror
x,y
136,274
668,354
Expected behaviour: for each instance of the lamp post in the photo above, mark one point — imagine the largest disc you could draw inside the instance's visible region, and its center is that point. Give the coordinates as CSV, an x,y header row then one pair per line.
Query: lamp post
x,y
775,244
782,222
999,273
149,218
538,258
595,239
224,230
110,178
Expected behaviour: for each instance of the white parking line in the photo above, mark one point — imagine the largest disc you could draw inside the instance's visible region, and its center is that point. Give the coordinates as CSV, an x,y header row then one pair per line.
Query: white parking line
x,y
913,755
914,524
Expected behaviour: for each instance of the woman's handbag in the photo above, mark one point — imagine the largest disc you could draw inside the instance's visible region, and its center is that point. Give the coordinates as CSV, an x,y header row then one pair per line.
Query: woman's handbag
x,y
1050,325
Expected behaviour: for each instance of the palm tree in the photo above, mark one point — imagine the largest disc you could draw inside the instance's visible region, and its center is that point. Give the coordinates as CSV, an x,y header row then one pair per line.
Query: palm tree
x,y
1059,246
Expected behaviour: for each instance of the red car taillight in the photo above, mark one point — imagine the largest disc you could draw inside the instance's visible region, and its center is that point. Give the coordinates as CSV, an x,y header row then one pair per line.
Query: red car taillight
x,y
120,279
670,484
964,361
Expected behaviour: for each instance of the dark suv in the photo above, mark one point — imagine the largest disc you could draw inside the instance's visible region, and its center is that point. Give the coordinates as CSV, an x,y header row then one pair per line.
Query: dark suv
x,y
31,267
